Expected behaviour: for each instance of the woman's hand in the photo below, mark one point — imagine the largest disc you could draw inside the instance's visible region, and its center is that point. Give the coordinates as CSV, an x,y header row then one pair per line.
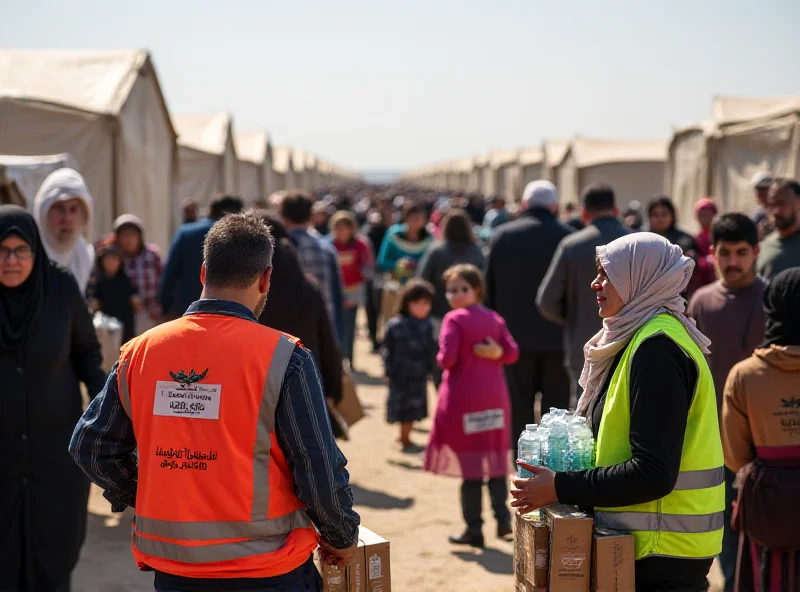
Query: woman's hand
x,y
536,492
488,350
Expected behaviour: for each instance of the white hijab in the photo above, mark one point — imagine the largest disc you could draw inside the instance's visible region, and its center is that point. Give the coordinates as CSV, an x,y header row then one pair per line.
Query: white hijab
x,y
78,257
649,273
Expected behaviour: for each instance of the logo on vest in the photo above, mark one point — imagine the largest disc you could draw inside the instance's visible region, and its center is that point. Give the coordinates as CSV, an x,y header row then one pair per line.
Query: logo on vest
x,y
186,397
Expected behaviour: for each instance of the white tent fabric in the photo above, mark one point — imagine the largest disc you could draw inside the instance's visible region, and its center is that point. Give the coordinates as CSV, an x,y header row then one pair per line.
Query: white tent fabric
x,y
28,172
282,166
727,110
719,157
254,153
531,167
106,109
633,168
554,153
207,155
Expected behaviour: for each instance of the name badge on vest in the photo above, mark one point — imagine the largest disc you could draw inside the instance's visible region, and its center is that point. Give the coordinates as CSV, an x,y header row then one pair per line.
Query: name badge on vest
x,y
186,397
484,421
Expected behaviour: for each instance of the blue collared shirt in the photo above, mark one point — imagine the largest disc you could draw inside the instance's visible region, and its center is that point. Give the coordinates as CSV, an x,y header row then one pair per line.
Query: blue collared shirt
x,y
104,445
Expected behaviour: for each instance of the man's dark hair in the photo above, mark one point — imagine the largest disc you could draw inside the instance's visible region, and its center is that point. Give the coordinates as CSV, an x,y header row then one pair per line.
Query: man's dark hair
x,y
598,197
415,289
237,249
457,227
296,207
734,228
781,183
223,204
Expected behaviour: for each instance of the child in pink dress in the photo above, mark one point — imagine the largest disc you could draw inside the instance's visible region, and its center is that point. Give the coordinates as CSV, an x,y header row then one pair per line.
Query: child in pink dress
x,y
470,435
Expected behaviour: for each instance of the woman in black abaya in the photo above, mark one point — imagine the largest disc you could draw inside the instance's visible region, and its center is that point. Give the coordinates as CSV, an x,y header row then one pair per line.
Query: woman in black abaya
x,y
48,347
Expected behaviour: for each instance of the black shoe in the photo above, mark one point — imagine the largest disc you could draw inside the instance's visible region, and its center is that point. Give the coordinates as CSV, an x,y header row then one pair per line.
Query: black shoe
x,y
504,531
468,538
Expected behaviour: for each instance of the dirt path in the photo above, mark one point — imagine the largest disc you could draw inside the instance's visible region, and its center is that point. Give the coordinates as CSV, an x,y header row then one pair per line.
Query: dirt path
x,y
414,510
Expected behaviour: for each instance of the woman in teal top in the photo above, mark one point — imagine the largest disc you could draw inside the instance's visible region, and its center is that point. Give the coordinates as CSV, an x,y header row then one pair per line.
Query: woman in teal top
x,y
405,244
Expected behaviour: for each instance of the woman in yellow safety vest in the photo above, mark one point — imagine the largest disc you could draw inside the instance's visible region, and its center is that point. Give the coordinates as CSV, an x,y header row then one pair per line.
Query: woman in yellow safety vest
x,y
649,398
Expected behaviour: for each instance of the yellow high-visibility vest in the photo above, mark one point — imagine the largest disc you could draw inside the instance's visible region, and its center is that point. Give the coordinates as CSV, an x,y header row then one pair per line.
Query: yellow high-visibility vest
x,y
688,522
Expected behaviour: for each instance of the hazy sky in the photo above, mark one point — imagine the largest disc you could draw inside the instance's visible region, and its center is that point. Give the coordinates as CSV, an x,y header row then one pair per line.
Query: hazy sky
x,y
377,84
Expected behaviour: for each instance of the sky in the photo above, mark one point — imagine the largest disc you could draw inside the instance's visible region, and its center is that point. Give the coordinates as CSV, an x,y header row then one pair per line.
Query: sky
x,y
394,85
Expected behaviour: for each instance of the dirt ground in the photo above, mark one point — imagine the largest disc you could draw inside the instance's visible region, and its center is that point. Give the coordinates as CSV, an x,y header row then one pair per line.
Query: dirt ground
x,y
414,510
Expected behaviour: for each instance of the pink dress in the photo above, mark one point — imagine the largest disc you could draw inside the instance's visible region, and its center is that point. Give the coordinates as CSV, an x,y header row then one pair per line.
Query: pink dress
x,y
471,434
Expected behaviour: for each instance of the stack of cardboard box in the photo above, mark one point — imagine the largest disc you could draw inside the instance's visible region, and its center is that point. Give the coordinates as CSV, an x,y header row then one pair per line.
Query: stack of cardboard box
x,y
369,571
557,550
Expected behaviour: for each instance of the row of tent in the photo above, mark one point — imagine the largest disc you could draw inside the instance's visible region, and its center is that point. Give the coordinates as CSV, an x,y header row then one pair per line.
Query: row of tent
x,y
717,157
104,113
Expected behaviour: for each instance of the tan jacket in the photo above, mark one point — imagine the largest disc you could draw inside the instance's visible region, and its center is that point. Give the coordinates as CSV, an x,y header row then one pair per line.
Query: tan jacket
x,y
761,404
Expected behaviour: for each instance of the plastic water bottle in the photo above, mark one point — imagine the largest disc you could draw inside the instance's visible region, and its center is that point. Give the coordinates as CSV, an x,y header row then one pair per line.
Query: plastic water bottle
x,y
528,449
581,444
558,443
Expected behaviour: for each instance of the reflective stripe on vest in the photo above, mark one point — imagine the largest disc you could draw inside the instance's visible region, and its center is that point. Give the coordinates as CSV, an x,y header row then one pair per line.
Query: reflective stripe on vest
x,y
266,426
204,531
208,553
700,479
649,521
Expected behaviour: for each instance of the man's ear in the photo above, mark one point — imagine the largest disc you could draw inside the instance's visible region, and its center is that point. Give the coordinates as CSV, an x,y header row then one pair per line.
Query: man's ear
x,y
203,273
263,281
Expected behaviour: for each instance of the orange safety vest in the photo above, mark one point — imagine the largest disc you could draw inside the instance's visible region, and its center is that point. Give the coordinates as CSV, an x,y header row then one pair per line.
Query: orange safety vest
x,y
215,494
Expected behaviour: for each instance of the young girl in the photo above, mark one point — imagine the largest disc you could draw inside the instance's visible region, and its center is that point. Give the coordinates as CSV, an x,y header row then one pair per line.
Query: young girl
x,y
407,350
470,436
355,258
112,292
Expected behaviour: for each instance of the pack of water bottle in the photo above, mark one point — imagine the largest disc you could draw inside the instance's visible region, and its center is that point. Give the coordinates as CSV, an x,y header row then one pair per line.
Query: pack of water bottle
x,y
561,442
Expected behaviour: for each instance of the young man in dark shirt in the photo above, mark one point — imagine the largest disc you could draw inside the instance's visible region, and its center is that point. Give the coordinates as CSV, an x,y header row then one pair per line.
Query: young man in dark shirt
x,y
730,314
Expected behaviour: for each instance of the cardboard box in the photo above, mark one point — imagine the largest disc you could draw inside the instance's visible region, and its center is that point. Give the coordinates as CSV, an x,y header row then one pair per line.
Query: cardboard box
x,y
531,552
376,561
333,578
613,554
570,548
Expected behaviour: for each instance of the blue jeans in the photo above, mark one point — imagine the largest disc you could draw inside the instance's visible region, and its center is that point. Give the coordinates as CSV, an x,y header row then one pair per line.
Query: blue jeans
x,y
730,539
349,332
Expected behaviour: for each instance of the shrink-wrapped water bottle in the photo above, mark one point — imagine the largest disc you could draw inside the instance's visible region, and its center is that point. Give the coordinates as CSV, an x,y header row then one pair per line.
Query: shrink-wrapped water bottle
x,y
528,449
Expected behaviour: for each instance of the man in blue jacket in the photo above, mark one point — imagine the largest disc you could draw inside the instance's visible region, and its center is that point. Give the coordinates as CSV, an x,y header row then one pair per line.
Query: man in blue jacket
x,y
180,283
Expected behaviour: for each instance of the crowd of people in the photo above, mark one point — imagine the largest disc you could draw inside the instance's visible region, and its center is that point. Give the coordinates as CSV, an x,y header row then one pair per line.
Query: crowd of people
x,y
687,376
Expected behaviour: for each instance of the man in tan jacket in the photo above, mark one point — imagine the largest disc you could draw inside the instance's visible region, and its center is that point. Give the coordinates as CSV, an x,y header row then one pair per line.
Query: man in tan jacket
x,y
761,405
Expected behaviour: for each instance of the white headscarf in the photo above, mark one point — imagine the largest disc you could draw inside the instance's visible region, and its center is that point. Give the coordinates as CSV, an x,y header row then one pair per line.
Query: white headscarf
x,y
78,257
650,273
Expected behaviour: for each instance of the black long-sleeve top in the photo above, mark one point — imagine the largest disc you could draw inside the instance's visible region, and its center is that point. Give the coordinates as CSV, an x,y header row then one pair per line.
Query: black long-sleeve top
x,y
663,379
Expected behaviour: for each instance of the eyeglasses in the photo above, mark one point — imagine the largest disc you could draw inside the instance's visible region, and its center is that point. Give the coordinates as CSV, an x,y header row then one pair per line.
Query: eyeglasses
x,y
462,290
22,253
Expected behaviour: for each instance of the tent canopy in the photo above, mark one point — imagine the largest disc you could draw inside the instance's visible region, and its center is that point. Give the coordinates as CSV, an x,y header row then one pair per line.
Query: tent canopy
x,y
554,152
592,152
726,110
204,133
29,172
282,160
107,110
252,146
529,155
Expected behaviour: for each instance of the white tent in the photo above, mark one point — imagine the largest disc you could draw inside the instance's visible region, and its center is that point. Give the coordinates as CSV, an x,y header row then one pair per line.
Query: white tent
x,y
26,174
254,152
282,167
719,157
531,167
106,109
207,155
479,164
553,155
633,168
501,175
295,178
311,179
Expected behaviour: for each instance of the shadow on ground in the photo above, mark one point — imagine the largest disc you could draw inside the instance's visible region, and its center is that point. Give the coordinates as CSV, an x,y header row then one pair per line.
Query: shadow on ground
x,y
404,464
366,379
492,560
379,499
